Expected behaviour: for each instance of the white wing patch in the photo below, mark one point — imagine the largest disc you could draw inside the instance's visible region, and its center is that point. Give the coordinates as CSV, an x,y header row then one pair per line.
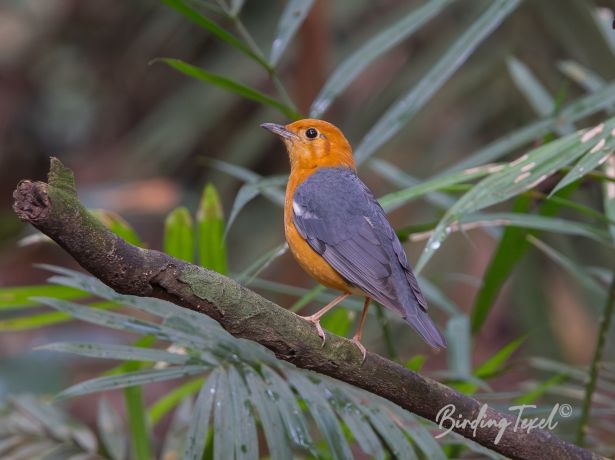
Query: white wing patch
x,y
302,212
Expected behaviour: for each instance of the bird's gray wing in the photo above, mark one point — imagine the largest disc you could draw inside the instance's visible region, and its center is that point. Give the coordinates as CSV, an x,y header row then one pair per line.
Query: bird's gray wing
x,y
341,220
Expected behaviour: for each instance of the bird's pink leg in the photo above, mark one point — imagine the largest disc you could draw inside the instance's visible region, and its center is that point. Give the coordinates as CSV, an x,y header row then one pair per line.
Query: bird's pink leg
x,y
357,336
315,318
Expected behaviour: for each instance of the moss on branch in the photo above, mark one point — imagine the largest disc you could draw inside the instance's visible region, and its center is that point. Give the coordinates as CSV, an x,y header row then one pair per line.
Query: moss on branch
x,y
55,210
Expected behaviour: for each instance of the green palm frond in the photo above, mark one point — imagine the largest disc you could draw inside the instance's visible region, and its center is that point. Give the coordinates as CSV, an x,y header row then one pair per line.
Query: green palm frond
x,y
246,390
32,429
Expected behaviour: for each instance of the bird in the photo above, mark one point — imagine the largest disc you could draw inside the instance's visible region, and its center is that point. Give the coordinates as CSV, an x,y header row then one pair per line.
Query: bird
x,y
340,235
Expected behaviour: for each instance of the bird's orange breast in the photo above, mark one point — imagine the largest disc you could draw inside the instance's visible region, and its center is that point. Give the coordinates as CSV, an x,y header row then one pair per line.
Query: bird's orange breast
x,y
312,262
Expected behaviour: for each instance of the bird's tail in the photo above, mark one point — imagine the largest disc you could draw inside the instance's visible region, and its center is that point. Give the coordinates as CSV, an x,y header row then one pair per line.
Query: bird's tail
x,y
426,328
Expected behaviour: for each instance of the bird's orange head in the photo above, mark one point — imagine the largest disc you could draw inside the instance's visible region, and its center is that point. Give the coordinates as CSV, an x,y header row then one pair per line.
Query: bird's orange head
x,y
313,144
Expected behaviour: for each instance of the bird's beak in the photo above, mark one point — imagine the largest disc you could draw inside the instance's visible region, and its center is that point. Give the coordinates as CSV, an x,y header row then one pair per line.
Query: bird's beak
x,y
279,130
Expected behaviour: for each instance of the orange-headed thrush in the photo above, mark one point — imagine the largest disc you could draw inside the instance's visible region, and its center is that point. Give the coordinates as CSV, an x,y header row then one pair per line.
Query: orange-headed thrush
x,y
339,233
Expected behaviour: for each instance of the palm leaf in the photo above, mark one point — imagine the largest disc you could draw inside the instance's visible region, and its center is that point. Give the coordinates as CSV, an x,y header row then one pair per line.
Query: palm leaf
x,y
210,224
538,97
408,105
360,59
178,430
574,111
245,388
292,17
111,430
598,155
130,379
179,234
520,175
199,423
323,414
205,23
32,429
246,440
113,351
229,85
271,420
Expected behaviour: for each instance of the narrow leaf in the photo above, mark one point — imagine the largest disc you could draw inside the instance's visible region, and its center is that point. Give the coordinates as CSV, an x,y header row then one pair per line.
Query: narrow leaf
x,y
532,89
236,6
323,415
394,200
590,161
250,191
361,58
507,254
112,431
30,322
224,435
530,221
246,440
157,307
271,421
130,379
210,225
537,96
510,250
493,365
117,225
122,322
520,175
21,297
52,420
261,263
540,389
171,399
416,363
230,85
580,273
394,437
347,409
292,17
581,75
435,296
207,24
608,192
269,190
604,18
459,342
576,110
114,351
178,235
337,322
178,430
402,111
418,432
401,179
292,416
140,435
199,424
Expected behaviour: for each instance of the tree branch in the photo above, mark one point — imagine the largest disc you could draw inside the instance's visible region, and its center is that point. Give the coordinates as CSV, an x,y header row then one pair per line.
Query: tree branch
x,y
55,210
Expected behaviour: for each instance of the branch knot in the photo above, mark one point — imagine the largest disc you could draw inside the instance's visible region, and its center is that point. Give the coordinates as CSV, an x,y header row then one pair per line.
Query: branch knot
x,y
32,202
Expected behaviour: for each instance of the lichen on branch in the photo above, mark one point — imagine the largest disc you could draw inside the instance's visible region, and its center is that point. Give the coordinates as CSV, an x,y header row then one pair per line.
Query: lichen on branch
x,y
55,210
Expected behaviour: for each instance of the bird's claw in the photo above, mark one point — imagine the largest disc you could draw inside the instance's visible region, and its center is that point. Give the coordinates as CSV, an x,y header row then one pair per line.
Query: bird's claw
x,y
357,341
316,322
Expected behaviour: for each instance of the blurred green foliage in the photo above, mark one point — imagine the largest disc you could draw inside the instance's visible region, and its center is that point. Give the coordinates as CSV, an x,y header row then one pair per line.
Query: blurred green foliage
x,y
513,104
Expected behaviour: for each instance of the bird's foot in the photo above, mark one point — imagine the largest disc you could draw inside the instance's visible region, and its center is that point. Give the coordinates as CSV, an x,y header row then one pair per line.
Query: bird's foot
x,y
357,341
315,320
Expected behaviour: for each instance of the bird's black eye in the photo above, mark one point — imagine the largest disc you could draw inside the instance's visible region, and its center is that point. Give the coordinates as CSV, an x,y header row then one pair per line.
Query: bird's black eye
x,y
311,133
